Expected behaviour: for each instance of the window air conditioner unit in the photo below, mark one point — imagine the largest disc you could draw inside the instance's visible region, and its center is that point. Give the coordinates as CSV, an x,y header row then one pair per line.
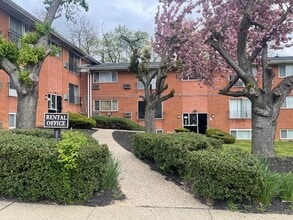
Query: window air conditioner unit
x,y
65,96
127,114
96,86
126,86
66,65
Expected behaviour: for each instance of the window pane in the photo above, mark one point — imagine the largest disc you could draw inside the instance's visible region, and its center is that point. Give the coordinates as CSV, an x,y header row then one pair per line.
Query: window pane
x,y
114,105
96,77
141,109
289,102
105,105
282,71
12,120
105,77
158,111
233,133
243,134
290,134
114,77
284,134
289,70
97,105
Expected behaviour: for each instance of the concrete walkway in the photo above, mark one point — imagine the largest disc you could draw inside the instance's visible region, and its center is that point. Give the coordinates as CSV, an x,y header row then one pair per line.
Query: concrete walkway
x,y
149,196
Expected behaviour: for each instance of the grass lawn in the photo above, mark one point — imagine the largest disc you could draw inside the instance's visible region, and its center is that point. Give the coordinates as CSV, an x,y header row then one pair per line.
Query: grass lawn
x,y
282,148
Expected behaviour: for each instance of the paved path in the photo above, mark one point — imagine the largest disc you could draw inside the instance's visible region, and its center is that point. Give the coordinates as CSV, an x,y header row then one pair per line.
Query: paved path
x,y
142,186
149,196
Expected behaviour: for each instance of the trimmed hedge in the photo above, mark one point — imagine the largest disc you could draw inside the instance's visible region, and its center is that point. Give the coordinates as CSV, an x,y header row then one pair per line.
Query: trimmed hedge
x,y
169,151
225,175
45,133
218,134
80,121
31,170
116,123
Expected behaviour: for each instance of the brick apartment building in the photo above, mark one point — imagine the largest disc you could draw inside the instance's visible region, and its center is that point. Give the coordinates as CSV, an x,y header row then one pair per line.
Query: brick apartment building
x,y
116,91
60,81
68,84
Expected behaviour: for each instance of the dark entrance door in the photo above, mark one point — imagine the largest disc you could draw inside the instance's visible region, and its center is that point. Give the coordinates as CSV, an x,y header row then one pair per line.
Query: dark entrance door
x,y
202,123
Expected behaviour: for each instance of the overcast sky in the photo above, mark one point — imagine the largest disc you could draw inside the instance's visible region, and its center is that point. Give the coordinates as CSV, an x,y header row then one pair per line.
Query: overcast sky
x,y
108,14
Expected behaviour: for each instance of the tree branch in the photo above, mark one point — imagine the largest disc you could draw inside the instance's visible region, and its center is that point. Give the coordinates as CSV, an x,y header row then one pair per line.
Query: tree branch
x,y
232,93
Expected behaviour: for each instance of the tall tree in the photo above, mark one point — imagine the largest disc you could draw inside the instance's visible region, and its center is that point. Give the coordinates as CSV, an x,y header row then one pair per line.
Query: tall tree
x,y
232,36
116,46
83,33
23,63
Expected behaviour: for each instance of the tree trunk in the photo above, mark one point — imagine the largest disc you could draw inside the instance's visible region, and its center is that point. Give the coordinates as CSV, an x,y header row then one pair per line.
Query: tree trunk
x,y
149,119
27,109
263,135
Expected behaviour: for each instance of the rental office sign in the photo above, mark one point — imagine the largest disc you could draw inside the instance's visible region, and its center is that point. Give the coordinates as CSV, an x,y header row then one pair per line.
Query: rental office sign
x,y
56,120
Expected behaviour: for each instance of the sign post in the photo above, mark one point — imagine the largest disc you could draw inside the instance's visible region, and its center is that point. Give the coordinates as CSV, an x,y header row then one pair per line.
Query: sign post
x,y
56,121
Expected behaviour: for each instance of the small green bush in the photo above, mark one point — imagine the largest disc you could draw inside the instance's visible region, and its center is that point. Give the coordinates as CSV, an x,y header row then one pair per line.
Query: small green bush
x,y
80,121
170,150
46,133
116,123
286,187
225,175
144,143
31,169
181,130
218,134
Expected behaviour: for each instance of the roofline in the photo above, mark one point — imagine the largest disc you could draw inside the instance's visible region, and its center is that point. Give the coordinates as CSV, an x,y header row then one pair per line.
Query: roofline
x,y
281,60
118,66
33,19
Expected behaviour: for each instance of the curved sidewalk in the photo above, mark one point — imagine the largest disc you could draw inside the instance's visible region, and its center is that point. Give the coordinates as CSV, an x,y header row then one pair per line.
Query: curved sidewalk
x,y
149,196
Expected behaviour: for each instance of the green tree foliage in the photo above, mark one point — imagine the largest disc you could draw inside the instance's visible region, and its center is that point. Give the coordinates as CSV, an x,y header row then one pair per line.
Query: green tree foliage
x,y
116,46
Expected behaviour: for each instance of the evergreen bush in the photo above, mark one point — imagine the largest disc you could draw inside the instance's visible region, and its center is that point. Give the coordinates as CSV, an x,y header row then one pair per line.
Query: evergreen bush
x,y
218,134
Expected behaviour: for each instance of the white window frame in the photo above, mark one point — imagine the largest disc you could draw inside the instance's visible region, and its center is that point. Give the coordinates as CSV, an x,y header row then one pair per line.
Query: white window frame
x,y
288,103
112,105
287,132
113,78
12,91
14,120
287,70
244,113
241,130
160,130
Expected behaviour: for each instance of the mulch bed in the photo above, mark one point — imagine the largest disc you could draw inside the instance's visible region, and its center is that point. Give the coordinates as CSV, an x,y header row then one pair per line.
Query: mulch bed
x,y
285,164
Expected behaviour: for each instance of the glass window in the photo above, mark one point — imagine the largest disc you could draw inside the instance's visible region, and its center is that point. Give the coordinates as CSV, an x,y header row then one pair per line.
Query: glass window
x,y
105,77
241,133
288,102
74,94
141,110
12,89
12,120
287,134
285,70
240,108
54,103
74,62
108,105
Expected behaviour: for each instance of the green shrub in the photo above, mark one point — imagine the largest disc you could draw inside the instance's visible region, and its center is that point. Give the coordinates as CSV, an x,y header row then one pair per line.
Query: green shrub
x,y
181,130
31,170
68,147
111,178
77,120
143,144
46,133
116,123
170,150
225,175
218,134
286,187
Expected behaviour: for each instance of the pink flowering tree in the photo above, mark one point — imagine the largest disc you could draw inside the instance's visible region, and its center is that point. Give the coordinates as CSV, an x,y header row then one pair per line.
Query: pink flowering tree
x,y
230,38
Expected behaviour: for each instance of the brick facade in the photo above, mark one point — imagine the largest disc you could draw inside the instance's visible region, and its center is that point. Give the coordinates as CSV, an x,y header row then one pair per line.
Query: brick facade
x,y
194,106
